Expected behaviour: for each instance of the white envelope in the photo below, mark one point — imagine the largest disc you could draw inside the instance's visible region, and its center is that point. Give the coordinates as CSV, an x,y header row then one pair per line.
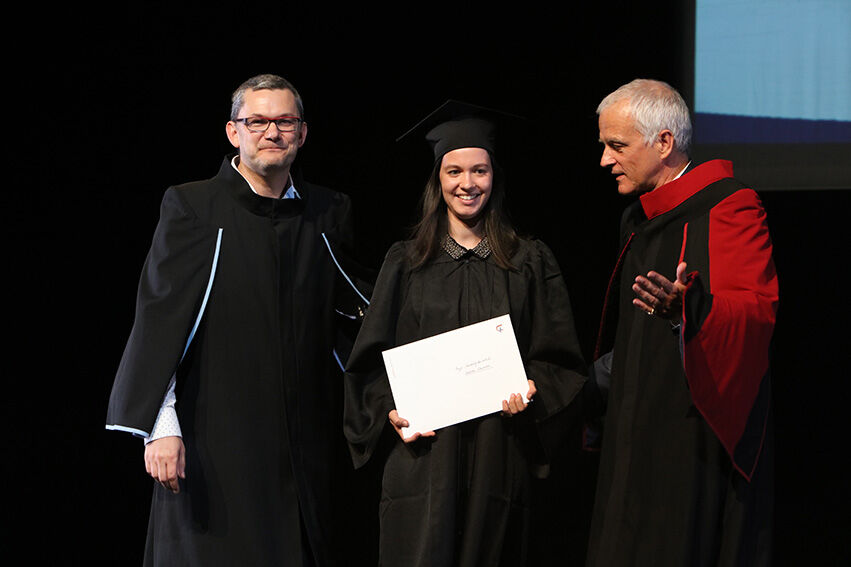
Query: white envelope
x,y
457,375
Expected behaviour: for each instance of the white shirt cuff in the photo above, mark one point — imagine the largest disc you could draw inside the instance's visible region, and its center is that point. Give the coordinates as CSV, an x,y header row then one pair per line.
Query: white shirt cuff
x,y
167,424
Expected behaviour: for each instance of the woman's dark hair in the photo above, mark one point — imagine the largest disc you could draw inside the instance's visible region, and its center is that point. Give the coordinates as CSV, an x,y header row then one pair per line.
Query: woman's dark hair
x,y
427,235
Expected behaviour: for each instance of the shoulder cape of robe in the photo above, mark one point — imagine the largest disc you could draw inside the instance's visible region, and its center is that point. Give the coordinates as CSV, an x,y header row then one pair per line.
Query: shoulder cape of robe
x,y
259,382
462,497
681,480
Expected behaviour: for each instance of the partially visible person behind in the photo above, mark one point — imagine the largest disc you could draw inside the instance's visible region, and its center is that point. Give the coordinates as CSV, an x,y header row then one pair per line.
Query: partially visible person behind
x,y
239,421
686,470
461,495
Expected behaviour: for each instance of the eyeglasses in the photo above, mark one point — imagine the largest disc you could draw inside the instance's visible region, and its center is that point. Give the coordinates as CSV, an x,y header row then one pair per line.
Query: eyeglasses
x,y
261,124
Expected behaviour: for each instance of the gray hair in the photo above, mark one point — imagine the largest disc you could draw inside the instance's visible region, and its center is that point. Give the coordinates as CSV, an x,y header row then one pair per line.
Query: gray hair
x,y
261,82
654,106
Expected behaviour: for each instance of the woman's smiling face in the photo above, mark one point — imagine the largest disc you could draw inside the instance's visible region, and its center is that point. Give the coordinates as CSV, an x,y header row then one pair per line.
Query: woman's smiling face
x,y
466,178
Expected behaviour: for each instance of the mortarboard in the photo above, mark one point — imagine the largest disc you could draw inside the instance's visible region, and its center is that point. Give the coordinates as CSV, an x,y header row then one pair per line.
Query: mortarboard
x,y
455,124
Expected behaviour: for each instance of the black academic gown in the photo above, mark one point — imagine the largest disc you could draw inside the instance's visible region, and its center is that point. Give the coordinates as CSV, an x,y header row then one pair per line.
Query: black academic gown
x,y
686,472
259,388
461,497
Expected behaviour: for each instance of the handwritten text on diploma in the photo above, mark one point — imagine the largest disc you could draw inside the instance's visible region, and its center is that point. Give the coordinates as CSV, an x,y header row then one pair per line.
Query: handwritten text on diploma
x,y
475,367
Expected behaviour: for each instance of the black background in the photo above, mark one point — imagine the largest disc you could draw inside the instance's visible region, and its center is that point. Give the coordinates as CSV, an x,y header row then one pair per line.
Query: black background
x,y
107,108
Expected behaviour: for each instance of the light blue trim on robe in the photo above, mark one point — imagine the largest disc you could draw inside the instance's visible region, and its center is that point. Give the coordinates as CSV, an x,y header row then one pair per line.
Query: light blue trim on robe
x,y
339,362
135,432
345,275
139,432
206,295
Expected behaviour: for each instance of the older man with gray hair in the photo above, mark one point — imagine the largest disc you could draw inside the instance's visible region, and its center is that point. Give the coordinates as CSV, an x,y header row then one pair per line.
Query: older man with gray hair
x,y
230,373
686,465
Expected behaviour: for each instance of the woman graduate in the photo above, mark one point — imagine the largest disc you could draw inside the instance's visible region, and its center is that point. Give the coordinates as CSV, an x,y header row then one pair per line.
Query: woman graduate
x,y
461,495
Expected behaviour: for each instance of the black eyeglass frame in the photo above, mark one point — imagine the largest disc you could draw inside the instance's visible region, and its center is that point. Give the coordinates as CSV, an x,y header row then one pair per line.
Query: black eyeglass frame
x,y
269,121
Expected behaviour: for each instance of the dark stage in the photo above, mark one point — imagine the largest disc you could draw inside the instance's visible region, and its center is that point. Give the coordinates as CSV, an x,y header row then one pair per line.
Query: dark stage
x,y
123,104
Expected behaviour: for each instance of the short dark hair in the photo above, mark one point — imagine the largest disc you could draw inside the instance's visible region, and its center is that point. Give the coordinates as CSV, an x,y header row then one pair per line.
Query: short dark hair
x,y
261,82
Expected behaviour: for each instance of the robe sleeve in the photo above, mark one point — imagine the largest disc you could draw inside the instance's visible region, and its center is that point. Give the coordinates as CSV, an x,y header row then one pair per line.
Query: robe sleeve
x,y
554,359
171,287
727,328
368,398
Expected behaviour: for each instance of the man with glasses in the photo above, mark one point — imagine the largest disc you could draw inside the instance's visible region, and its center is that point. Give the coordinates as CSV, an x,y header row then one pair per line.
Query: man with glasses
x,y
230,372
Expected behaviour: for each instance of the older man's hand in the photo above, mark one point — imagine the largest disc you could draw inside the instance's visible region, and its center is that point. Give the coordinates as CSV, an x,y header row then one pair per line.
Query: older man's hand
x,y
657,295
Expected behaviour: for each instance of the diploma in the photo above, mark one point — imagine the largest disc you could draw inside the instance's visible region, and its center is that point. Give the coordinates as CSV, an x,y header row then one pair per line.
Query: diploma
x,y
457,375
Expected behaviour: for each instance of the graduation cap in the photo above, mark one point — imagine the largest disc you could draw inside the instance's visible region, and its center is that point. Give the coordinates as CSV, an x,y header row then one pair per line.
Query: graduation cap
x,y
455,124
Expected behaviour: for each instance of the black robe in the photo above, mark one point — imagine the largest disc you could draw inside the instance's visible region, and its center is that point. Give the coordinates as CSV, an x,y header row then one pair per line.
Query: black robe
x,y
686,465
462,497
259,389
